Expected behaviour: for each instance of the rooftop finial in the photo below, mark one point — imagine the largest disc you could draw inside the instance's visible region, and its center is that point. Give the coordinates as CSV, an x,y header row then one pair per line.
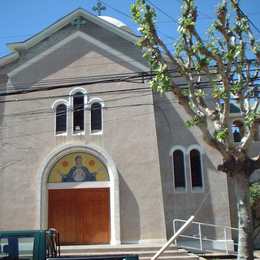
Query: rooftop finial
x,y
99,7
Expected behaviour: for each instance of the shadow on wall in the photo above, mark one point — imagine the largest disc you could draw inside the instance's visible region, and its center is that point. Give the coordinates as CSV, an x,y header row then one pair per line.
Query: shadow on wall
x,y
172,131
129,214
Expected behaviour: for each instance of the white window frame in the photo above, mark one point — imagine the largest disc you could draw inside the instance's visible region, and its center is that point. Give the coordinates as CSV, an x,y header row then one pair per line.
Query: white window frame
x,y
71,95
202,154
101,102
54,107
174,148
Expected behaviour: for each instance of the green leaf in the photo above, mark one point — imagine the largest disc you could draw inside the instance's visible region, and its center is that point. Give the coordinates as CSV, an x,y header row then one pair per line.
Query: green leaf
x,y
218,92
196,120
254,193
221,135
185,92
242,25
250,118
236,87
199,93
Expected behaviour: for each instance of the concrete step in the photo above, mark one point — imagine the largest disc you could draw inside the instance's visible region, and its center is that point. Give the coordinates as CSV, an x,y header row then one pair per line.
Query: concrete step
x,y
185,257
110,248
145,253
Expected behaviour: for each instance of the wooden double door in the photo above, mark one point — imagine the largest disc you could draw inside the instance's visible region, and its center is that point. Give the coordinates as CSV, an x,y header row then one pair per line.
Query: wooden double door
x,y
82,216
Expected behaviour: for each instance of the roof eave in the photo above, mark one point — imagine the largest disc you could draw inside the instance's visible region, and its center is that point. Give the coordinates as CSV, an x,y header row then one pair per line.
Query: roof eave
x,y
16,46
8,58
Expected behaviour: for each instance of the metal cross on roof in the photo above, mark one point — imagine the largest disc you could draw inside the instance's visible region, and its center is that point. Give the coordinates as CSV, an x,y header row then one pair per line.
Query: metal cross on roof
x,y
99,7
78,22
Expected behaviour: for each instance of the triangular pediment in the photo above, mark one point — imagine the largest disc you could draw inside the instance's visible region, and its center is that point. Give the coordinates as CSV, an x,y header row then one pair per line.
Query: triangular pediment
x,y
79,19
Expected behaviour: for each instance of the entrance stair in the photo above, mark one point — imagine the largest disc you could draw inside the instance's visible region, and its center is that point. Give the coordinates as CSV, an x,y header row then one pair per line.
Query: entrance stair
x,y
145,252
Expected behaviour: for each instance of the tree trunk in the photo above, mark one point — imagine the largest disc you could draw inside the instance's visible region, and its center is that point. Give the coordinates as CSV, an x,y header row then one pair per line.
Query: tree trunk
x,y
245,222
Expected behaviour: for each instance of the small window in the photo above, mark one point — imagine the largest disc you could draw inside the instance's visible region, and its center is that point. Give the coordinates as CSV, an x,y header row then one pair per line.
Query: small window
x,y
61,119
196,169
78,112
179,170
96,117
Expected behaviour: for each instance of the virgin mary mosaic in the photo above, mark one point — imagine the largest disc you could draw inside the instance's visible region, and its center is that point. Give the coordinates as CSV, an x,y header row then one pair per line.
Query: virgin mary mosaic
x,y
78,167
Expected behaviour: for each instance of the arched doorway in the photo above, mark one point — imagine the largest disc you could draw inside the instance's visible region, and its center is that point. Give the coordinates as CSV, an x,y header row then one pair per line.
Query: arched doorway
x,y
80,195
78,199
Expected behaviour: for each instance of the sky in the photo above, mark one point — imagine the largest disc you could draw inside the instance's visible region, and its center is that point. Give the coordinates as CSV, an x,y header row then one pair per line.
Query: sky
x,y
21,19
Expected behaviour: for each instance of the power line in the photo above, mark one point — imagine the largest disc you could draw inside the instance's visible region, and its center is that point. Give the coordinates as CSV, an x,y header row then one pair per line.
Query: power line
x,y
129,17
91,80
75,80
163,12
119,91
201,85
117,10
141,76
203,13
70,128
138,94
50,114
250,21
72,80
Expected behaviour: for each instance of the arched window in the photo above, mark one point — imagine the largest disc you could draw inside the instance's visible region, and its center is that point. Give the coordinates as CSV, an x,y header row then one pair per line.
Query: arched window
x,y
257,131
196,169
96,117
61,119
179,170
237,131
78,112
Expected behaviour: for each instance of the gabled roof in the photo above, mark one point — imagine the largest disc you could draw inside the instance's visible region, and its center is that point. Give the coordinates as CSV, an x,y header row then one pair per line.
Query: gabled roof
x,y
45,33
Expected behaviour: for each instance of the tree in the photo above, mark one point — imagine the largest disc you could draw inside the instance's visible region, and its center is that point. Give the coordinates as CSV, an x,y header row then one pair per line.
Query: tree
x,y
255,200
229,59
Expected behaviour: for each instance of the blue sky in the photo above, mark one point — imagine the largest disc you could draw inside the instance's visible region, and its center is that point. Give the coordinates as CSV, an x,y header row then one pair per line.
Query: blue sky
x,y
20,19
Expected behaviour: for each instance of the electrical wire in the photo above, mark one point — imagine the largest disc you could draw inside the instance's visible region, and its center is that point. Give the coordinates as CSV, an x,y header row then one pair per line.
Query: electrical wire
x,y
110,76
130,18
69,85
163,12
250,21
24,84
124,117
142,76
203,13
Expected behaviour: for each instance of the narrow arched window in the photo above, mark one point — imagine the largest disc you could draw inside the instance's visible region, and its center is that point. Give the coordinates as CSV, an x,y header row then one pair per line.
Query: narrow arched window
x,y
78,112
237,130
179,170
196,169
96,117
257,130
61,119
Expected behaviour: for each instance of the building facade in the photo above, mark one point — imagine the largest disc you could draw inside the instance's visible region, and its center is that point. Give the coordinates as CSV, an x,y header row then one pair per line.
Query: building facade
x,y
90,149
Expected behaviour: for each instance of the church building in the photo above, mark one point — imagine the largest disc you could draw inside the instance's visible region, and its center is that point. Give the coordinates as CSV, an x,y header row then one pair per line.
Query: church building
x,y
88,148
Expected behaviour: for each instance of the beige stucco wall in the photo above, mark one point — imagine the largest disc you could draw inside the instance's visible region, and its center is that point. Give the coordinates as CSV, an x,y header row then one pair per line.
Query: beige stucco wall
x,y
211,204
129,137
